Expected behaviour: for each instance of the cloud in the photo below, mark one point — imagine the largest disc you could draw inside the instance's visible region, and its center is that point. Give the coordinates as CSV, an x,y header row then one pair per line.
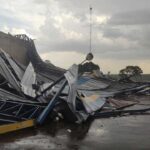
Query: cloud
x,y
121,28
135,17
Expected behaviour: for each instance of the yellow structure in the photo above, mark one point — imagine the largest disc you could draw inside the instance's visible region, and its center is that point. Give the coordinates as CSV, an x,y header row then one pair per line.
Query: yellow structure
x,y
16,126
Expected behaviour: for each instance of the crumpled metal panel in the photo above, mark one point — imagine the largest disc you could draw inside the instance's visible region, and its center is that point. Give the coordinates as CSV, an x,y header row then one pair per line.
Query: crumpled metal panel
x,y
72,77
93,102
87,83
145,91
119,104
47,70
6,95
19,72
29,78
7,73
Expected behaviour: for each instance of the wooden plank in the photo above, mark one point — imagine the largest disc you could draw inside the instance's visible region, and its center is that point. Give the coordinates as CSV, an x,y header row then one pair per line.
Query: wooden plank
x,y
16,126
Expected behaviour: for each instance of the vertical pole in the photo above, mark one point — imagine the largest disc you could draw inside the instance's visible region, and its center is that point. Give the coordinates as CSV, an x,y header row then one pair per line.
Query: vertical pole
x,y
90,29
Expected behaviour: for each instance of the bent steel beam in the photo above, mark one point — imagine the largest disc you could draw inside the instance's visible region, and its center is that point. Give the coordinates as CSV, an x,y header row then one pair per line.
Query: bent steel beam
x,y
50,106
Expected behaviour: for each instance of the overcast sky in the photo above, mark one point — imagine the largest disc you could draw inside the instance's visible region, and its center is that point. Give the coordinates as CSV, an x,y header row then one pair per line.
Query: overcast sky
x,y
121,30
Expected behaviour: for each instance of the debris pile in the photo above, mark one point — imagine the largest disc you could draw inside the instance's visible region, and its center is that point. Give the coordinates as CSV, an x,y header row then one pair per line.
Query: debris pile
x,y
43,91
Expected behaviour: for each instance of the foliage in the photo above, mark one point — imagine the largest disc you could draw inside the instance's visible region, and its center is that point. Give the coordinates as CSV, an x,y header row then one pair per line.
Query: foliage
x,y
130,71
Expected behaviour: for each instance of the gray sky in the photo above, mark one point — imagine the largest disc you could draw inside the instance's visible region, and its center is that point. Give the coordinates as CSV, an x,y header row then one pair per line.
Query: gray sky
x,y
121,30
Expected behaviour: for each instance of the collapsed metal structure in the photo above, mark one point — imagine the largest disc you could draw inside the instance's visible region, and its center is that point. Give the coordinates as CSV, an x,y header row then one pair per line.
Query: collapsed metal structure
x,y
42,91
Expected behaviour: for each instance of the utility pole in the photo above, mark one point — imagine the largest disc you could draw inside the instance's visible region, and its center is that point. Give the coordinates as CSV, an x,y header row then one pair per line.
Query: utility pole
x,y
90,50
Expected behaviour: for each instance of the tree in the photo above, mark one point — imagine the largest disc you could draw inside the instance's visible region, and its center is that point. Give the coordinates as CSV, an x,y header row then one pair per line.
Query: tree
x,y
130,71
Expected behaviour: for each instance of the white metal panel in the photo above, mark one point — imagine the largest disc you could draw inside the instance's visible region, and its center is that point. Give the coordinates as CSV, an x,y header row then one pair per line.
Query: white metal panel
x,y
29,78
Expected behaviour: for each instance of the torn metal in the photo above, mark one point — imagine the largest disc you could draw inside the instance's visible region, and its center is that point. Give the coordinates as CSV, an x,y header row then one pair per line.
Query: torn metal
x,y
28,80
43,91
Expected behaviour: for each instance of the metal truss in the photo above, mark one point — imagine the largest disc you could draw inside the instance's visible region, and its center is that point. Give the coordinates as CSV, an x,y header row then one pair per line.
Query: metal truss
x,y
13,111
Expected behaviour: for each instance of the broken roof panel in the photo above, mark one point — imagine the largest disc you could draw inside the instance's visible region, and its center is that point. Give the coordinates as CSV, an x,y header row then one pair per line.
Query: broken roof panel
x,y
87,83
28,79
72,78
119,104
93,103
7,72
18,71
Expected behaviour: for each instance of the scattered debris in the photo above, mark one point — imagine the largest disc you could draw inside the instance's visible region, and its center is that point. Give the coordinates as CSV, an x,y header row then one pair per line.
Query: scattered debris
x,y
69,130
42,91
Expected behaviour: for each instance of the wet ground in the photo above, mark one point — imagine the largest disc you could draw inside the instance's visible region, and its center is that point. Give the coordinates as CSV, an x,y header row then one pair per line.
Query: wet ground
x,y
127,132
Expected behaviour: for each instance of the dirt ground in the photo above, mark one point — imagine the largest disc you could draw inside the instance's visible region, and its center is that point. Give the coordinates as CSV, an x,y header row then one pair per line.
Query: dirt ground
x,y
127,132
